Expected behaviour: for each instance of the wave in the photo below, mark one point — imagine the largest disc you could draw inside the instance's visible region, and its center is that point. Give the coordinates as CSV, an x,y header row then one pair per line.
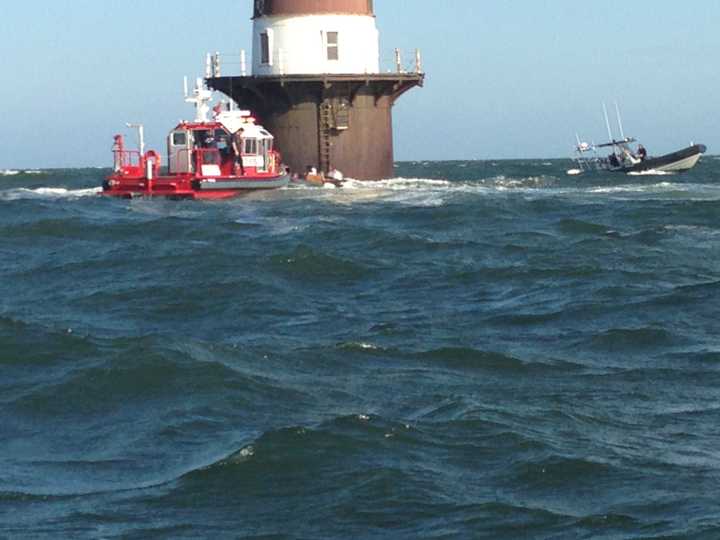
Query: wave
x,y
631,339
662,190
48,193
38,345
313,266
282,450
578,226
18,172
469,358
559,471
340,438
641,188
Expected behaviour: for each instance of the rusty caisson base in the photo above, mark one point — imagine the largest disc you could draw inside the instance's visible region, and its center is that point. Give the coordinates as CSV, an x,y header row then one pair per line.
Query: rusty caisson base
x,y
330,122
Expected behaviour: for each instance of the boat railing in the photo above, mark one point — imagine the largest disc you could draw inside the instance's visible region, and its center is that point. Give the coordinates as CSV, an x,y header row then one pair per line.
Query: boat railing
x,y
126,159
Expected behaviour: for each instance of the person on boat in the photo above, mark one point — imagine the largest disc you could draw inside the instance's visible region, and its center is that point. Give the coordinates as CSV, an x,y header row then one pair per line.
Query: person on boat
x,y
209,140
641,152
613,159
238,143
629,157
209,145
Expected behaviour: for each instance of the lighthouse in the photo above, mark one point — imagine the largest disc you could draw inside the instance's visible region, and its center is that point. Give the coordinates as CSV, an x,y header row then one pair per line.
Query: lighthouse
x,y
318,86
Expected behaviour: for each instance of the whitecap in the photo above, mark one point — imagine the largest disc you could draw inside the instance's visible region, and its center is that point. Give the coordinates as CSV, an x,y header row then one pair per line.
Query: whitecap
x,y
48,193
628,188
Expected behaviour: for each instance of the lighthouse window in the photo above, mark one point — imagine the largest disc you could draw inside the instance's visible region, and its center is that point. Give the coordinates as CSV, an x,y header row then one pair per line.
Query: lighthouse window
x,y
333,52
264,48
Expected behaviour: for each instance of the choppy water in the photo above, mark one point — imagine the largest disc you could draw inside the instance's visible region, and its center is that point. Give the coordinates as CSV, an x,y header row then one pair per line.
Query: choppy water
x,y
471,350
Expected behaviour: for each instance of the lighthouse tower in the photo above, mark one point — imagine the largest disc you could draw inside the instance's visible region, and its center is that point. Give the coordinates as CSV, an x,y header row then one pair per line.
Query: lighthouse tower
x,y
317,85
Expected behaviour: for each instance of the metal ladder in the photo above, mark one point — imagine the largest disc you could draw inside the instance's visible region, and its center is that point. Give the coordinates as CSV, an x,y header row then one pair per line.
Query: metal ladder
x,y
326,126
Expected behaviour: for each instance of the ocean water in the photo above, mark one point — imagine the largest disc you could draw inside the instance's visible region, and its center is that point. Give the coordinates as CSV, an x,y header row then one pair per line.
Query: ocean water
x,y
469,350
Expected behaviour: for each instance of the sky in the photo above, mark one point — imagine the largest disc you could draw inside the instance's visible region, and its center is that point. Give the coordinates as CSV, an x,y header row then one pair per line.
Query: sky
x,y
505,78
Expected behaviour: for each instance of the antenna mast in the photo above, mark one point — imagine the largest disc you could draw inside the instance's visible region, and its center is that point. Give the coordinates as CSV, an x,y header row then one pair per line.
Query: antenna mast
x,y
619,119
607,123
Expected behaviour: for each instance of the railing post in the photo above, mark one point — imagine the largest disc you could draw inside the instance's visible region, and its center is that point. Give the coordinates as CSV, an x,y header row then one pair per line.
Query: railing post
x,y
208,66
418,61
216,68
398,61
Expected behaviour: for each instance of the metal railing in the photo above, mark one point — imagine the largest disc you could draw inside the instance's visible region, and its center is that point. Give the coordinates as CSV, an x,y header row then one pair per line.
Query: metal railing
x,y
126,158
399,62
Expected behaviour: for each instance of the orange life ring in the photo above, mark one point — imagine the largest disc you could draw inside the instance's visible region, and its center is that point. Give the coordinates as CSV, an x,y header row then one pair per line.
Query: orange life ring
x,y
152,155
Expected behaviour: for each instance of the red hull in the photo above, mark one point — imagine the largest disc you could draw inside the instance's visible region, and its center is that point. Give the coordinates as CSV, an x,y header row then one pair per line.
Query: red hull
x,y
190,187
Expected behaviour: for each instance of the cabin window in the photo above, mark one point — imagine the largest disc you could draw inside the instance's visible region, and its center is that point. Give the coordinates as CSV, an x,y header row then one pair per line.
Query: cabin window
x,y
250,146
265,48
179,138
333,51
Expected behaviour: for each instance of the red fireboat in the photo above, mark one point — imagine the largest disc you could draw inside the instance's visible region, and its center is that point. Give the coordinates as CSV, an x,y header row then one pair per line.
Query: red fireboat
x,y
203,158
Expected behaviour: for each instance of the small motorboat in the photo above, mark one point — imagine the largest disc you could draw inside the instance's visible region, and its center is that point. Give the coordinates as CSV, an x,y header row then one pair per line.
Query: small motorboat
x,y
203,158
626,155
624,158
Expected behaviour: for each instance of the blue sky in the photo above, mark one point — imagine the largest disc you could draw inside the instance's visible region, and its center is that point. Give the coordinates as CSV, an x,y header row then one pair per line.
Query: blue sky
x,y
506,78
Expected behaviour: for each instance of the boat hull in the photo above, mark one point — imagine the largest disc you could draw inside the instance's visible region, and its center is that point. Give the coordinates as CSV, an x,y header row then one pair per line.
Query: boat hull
x,y
682,160
191,187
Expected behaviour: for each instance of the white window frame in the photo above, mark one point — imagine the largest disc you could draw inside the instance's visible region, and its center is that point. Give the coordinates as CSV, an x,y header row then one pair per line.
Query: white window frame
x,y
331,46
270,45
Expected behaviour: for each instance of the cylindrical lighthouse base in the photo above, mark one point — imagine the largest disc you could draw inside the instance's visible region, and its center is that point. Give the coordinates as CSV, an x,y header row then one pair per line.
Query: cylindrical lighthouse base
x,y
339,122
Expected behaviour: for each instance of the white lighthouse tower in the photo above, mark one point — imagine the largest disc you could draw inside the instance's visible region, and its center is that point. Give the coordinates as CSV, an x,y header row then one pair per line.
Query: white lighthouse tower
x,y
317,85
314,36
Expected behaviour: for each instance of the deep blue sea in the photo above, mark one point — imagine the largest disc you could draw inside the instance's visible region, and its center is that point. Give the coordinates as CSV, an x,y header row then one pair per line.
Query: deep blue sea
x,y
470,350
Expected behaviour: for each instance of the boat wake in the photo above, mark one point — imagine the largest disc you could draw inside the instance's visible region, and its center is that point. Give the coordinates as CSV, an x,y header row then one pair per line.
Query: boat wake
x,y
495,183
650,172
426,192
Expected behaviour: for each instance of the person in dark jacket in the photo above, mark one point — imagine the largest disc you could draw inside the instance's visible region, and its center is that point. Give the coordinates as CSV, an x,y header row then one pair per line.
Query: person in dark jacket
x,y
238,143
641,153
